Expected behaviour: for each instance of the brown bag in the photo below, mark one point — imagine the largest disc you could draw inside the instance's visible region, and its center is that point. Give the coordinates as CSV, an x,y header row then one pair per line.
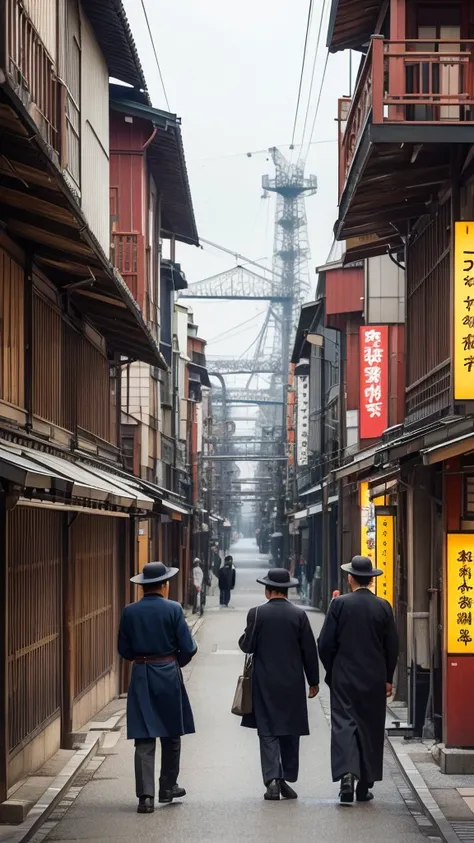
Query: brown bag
x,y
243,693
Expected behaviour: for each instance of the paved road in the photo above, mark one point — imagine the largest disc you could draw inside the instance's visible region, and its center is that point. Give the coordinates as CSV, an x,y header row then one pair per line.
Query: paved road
x,y
220,768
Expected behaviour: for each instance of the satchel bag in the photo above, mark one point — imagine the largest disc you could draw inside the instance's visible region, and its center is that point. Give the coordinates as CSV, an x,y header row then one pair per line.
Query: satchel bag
x,y
243,693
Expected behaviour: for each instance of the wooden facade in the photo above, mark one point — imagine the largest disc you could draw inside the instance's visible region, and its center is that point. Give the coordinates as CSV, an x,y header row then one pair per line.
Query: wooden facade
x,y
69,538
406,179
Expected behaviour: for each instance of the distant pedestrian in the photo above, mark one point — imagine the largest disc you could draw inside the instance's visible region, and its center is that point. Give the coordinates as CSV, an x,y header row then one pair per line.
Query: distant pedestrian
x,y
154,635
198,577
301,575
358,647
280,637
227,578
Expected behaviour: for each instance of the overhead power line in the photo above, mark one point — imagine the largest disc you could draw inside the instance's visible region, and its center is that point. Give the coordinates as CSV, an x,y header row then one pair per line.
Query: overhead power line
x,y
313,71
303,64
318,103
236,255
156,54
253,152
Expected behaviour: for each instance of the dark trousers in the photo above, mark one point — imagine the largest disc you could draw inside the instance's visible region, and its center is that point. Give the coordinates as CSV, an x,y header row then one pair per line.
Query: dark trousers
x,y
225,596
280,757
145,764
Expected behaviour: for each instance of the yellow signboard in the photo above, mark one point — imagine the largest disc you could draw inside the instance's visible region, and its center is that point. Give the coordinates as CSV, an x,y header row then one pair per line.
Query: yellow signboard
x,y
464,311
460,593
385,552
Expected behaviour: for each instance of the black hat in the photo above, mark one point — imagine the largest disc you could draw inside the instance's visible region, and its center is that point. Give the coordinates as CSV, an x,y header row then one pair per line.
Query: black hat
x,y
279,578
361,566
154,572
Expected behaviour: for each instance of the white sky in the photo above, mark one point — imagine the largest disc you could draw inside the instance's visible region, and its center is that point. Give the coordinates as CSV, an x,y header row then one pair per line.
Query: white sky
x,y
231,72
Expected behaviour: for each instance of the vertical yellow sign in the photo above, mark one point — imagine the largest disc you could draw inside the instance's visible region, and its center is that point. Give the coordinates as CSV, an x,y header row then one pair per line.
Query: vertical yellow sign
x,y
463,329
460,593
385,553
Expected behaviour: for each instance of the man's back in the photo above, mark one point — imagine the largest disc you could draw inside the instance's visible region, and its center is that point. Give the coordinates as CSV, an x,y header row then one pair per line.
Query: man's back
x,y
358,643
280,637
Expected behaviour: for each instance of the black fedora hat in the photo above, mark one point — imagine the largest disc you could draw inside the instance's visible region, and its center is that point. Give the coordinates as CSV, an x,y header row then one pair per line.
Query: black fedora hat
x,y
279,578
154,572
361,566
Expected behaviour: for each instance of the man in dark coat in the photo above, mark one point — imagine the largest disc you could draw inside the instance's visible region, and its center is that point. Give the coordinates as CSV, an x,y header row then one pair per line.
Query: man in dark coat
x,y
358,647
226,581
154,636
279,636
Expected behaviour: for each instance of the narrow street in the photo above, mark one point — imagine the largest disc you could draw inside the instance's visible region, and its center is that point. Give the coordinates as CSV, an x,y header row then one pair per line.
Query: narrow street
x,y
220,768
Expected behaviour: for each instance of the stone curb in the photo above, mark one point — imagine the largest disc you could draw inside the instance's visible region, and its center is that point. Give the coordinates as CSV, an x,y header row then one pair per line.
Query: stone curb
x,y
428,803
55,792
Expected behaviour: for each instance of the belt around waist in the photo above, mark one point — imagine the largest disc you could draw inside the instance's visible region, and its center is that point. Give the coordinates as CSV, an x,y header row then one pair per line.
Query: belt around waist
x,y
153,659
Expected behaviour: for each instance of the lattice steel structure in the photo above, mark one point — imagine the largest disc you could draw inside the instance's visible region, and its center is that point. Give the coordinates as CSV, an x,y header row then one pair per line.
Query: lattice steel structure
x,y
285,289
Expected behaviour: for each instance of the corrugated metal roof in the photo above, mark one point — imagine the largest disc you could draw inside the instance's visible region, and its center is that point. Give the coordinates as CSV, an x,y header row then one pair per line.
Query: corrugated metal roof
x,y
112,30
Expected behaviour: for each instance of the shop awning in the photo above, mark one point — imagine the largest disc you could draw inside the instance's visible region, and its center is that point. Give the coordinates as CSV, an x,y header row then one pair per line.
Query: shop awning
x,y
362,461
448,450
318,507
174,507
301,514
39,471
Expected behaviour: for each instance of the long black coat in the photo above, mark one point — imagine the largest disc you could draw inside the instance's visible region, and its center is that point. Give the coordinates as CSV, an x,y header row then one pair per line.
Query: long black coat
x,y
284,649
358,647
157,702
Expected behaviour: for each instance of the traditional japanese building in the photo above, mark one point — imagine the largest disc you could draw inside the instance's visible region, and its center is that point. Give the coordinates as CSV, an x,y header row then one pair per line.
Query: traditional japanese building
x,y
407,189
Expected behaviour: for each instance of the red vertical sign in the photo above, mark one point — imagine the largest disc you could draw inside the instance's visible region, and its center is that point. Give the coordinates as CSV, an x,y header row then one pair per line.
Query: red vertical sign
x,y
373,413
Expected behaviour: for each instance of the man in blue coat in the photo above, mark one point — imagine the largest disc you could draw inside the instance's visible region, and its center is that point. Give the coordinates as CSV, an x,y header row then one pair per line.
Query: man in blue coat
x,y
154,635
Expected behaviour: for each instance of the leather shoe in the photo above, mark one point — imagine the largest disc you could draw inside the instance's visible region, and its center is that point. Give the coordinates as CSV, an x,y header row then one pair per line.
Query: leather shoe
x,y
272,793
146,805
363,793
287,792
346,793
167,796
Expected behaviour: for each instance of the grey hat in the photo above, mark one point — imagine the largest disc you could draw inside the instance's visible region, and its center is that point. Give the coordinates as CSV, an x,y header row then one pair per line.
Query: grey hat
x,y
279,578
154,572
361,566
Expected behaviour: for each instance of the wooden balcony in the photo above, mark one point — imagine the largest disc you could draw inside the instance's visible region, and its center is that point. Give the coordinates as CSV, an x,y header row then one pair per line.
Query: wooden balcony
x,y
31,72
414,99
128,255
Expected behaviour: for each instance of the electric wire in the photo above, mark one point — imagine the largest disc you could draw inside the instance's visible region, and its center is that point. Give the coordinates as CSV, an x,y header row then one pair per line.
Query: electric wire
x,y
156,54
313,72
258,151
230,332
303,64
318,103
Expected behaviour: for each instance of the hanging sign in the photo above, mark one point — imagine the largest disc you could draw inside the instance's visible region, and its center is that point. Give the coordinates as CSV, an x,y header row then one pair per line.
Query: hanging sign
x,y
385,552
464,311
302,419
373,414
460,593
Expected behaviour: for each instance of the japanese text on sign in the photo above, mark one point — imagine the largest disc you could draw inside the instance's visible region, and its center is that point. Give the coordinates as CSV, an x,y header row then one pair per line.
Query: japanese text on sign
x,y
385,545
460,593
302,419
373,381
464,311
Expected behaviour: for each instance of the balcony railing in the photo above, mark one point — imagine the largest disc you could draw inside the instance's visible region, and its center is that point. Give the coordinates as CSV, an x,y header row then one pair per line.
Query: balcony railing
x,y
31,72
416,81
129,257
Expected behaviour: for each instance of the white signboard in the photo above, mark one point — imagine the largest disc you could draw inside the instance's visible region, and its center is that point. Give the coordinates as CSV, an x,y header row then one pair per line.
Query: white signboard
x,y
302,419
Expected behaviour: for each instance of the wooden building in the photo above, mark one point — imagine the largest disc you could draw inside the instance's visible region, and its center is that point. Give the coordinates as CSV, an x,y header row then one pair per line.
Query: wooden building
x,y
70,512
406,181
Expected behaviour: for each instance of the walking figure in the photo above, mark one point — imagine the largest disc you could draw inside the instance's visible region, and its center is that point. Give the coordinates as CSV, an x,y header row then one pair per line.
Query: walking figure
x,y
226,581
154,635
358,647
284,651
